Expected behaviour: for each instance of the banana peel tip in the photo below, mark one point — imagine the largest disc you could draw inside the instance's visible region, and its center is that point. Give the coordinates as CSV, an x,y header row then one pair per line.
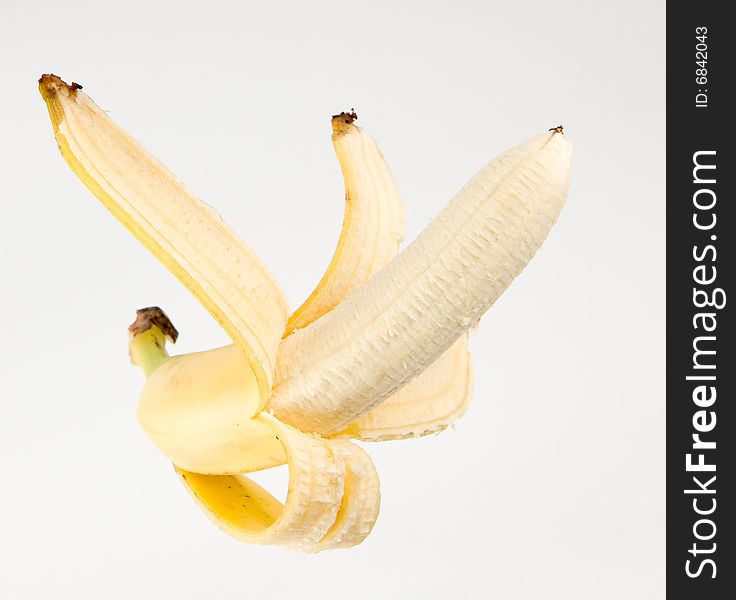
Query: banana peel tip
x,y
343,122
50,85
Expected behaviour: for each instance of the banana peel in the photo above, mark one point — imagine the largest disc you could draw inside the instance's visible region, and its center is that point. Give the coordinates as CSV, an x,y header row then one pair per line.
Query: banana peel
x,y
378,351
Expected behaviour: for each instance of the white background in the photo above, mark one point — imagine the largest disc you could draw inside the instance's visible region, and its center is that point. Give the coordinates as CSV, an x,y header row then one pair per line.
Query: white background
x,y
552,486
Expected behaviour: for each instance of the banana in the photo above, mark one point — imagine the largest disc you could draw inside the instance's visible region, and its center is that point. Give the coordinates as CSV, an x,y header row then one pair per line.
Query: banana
x,y
377,351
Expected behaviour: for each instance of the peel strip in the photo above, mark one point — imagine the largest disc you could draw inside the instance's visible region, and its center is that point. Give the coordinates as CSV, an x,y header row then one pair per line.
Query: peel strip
x,y
360,502
186,235
373,222
244,510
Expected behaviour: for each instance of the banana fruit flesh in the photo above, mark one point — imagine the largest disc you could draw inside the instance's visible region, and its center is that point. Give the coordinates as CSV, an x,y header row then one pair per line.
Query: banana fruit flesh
x,y
378,351
403,318
436,398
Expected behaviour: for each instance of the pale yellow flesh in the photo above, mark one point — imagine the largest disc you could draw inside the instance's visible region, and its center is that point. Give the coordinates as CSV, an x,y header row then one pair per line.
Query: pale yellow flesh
x,y
393,327
185,234
432,401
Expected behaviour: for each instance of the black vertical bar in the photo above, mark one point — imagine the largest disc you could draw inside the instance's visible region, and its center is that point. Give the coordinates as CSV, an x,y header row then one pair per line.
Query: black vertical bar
x,y
701,111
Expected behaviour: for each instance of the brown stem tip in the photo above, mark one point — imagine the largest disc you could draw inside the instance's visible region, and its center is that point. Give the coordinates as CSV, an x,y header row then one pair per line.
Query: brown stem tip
x,y
343,121
558,129
145,318
347,117
50,84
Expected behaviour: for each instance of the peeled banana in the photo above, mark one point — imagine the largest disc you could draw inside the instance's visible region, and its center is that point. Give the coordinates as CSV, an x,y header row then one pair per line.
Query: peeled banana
x,y
378,350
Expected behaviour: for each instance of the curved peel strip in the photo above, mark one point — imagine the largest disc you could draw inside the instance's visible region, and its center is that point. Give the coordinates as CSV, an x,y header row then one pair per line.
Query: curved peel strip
x,y
373,225
434,399
360,502
186,235
247,512
393,327
332,501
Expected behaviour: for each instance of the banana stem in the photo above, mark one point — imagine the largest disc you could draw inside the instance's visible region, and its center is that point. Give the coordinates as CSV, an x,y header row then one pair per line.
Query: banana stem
x,y
148,335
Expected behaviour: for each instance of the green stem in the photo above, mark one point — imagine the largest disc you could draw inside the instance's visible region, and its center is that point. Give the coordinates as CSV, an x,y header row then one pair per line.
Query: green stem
x,y
148,335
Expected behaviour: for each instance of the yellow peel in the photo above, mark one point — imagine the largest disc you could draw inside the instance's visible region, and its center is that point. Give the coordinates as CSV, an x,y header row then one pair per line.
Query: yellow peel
x,y
373,222
198,410
388,360
185,234
244,510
